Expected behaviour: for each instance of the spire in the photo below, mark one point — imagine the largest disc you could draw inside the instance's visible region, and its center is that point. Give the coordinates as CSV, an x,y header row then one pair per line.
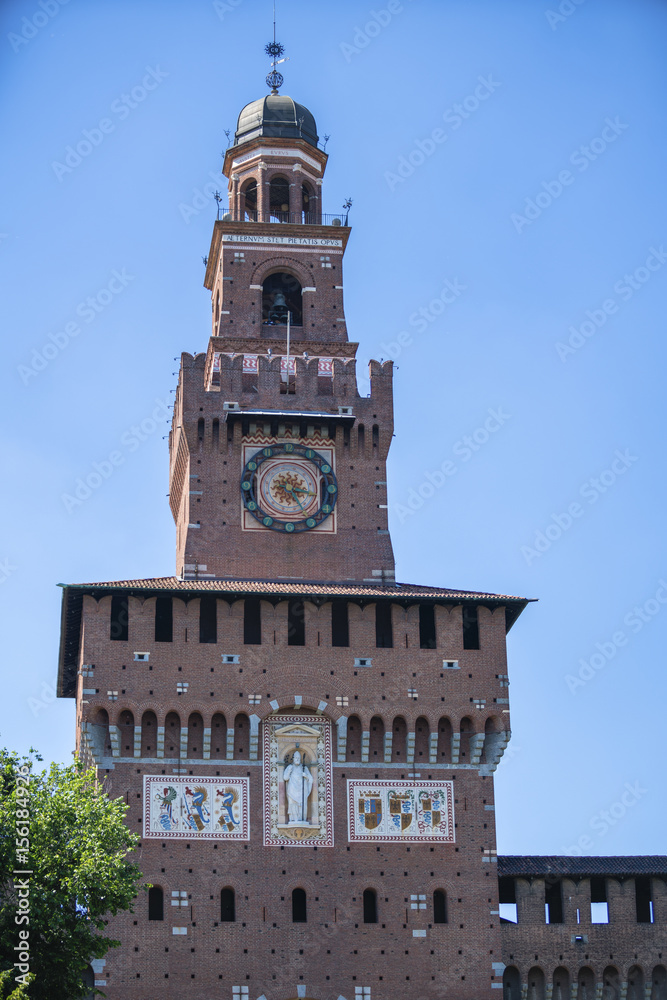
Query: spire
x,y
274,49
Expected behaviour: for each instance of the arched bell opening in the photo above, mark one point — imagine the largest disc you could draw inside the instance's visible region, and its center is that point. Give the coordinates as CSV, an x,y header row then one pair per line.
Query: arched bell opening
x,y
281,294
279,199
248,205
310,214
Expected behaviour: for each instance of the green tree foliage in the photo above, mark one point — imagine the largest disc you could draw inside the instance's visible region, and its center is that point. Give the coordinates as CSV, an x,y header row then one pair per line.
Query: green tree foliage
x,y
80,874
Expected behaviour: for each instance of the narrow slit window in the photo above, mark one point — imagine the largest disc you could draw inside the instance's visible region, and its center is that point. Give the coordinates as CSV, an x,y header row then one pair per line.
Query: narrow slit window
x,y
119,618
208,624
507,900
427,626
643,900
296,626
553,901
252,622
340,624
599,902
470,628
164,619
383,632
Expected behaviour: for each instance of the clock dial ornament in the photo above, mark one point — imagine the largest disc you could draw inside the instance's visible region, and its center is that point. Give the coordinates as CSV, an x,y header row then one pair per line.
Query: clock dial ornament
x,y
289,488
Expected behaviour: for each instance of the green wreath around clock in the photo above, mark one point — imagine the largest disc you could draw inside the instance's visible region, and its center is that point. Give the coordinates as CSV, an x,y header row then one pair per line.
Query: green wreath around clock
x,y
289,488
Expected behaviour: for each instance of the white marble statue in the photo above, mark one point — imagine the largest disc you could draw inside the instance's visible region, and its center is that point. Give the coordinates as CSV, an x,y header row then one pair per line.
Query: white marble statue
x,y
298,785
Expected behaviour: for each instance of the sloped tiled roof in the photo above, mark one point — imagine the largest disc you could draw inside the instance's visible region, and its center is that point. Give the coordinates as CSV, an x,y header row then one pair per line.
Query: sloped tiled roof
x,y
537,865
73,595
316,587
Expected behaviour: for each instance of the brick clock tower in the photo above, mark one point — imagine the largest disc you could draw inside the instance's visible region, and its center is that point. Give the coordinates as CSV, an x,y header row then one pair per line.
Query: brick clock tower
x,y
307,746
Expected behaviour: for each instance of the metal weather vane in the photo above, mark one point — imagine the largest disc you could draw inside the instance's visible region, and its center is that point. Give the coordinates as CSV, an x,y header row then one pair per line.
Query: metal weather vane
x,y
274,49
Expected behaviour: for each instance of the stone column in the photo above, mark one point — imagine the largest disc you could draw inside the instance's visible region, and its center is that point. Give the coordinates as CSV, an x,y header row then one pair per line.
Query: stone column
x,y
263,199
341,726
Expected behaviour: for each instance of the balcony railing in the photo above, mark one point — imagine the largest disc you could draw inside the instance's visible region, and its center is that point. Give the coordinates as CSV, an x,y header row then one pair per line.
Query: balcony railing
x,y
291,218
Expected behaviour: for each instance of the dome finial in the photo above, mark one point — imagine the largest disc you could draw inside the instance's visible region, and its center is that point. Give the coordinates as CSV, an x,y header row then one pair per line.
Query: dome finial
x,y
274,49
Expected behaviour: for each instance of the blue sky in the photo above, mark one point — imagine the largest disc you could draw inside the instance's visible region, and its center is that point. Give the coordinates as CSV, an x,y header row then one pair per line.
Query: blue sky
x,y
509,249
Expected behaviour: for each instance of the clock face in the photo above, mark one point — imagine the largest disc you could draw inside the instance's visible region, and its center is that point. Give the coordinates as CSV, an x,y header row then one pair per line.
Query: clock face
x,y
289,488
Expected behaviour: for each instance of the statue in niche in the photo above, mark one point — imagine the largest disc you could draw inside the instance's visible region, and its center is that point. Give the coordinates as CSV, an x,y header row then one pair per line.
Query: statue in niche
x,y
298,786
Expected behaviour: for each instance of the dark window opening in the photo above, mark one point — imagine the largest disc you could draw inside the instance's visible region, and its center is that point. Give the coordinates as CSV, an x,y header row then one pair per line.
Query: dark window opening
x,y
643,900
299,911
470,628
383,632
308,206
376,436
201,424
251,201
361,439
119,618
370,906
164,619
507,900
215,433
155,903
599,902
439,907
340,624
279,199
281,293
553,901
208,624
296,625
252,622
427,626
227,905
